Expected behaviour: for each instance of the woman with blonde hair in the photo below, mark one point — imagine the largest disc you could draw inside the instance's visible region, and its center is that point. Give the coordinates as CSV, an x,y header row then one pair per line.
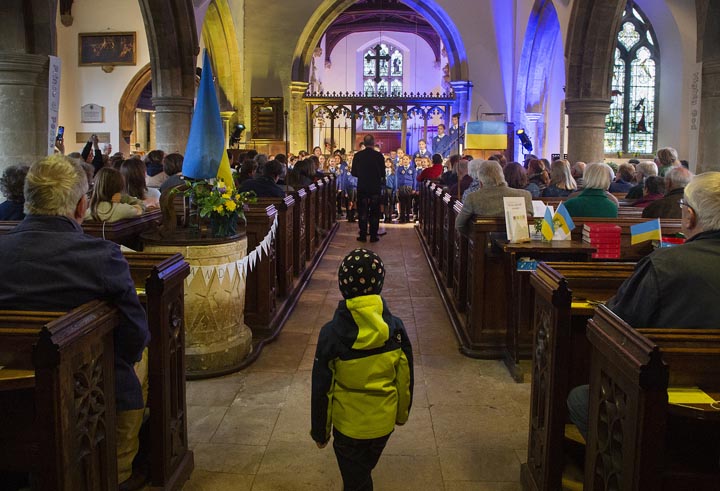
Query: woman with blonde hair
x,y
134,171
562,182
107,203
593,200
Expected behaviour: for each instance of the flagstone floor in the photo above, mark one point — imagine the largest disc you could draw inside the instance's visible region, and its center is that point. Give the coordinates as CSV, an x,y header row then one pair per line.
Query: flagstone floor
x,y
468,425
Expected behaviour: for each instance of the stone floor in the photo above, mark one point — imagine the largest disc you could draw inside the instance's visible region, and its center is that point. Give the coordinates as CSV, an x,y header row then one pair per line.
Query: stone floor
x,y
468,425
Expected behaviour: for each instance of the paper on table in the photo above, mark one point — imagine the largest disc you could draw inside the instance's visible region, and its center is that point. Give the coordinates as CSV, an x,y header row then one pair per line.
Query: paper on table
x,y
688,395
539,209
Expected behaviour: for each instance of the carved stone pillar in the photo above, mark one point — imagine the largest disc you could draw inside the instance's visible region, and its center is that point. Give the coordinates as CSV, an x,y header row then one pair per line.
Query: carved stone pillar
x,y
536,131
709,143
172,123
298,117
23,108
463,93
586,129
226,117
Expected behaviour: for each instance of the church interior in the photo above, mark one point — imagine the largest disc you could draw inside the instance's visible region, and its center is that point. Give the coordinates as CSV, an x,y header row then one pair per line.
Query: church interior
x,y
496,349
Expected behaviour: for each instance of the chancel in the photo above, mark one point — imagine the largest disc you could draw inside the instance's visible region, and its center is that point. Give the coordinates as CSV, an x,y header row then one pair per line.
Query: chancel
x,y
251,120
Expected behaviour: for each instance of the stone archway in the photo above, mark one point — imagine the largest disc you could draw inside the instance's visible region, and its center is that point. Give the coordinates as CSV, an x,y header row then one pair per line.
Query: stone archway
x,y
173,44
128,103
589,53
536,63
321,19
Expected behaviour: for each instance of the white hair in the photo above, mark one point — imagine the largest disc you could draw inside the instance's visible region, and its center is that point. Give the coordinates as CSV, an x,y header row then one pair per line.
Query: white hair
x,y
677,177
703,195
54,186
598,176
647,168
490,173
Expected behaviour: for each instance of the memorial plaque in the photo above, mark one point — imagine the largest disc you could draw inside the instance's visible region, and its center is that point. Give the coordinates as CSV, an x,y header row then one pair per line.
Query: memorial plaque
x,y
84,136
91,113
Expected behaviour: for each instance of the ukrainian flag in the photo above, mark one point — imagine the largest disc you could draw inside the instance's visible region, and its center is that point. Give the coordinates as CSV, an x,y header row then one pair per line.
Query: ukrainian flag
x,y
548,228
645,231
563,218
205,155
486,135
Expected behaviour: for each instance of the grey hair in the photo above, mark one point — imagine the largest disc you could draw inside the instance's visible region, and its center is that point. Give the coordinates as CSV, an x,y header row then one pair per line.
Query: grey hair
x,y
474,169
598,176
667,156
677,177
647,168
54,186
462,165
490,173
703,195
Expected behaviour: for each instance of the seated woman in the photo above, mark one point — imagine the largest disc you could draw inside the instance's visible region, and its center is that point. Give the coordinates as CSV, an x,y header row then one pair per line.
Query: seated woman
x,y
538,175
488,200
623,179
562,182
653,189
11,185
172,166
593,201
517,178
133,170
107,203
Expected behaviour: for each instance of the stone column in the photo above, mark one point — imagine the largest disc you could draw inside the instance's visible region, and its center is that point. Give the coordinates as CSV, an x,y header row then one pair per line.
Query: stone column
x,y
226,117
298,117
463,93
709,143
172,123
586,129
536,131
23,108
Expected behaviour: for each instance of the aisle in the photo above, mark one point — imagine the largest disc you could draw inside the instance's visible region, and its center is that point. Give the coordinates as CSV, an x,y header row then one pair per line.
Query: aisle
x,y
467,429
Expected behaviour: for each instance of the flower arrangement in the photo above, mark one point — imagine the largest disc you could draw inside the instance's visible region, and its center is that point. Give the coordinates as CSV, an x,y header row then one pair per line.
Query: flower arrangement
x,y
222,206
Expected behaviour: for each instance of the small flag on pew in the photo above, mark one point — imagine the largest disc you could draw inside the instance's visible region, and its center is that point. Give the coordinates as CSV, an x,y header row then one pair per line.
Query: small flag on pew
x,y
548,228
645,231
486,135
562,217
205,155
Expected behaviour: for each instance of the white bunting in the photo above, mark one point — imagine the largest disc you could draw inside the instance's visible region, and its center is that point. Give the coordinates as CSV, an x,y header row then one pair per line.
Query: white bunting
x,y
222,271
207,272
252,257
231,269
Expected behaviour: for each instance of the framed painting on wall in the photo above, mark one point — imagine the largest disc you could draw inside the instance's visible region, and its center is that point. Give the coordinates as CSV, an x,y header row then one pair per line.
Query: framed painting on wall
x,y
107,48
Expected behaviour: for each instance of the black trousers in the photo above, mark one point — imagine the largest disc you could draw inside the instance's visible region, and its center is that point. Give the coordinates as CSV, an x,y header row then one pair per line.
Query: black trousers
x,y
357,459
368,213
405,196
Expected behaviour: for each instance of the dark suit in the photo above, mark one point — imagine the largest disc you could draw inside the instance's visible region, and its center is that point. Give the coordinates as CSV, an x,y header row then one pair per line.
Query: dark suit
x,y
369,168
667,207
264,187
50,264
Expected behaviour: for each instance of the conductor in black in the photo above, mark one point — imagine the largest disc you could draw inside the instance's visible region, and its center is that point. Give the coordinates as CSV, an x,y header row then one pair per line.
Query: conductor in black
x,y
369,168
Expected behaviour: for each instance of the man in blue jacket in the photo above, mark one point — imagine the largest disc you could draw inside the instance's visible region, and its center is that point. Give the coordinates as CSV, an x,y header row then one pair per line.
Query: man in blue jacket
x,y
49,264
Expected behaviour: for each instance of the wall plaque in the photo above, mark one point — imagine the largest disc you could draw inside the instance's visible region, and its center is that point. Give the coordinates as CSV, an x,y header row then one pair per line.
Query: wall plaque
x,y
91,113
83,137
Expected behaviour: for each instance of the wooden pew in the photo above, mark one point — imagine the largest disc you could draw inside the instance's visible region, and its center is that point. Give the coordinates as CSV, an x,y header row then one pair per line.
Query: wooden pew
x,y
448,233
310,236
300,228
284,242
261,285
633,430
160,281
559,356
57,397
125,232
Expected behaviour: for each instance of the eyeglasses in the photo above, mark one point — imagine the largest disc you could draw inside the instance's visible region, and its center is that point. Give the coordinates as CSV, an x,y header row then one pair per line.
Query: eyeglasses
x,y
684,204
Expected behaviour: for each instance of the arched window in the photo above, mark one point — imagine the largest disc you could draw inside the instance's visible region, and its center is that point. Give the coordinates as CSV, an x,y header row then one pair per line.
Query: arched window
x,y
630,126
382,77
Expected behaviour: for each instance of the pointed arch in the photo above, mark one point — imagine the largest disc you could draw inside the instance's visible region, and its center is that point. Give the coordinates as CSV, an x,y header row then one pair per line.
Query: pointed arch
x,y
218,32
128,103
329,10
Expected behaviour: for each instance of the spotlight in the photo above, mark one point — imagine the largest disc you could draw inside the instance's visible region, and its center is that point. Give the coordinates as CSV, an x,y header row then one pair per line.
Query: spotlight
x,y
524,139
237,132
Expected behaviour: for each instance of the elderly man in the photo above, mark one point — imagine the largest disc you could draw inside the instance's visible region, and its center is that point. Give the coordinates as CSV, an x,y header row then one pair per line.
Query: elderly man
x,y
488,200
50,264
675,181
674,287
578,170
643,170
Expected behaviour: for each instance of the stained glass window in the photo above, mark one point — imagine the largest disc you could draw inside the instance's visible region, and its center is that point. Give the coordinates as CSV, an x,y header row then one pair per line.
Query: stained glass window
x,y
389,69
630,125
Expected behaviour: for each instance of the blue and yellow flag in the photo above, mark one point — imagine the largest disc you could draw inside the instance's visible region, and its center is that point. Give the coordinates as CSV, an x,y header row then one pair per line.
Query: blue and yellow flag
x,y
205,155
562,217
548,227
645,231
490,135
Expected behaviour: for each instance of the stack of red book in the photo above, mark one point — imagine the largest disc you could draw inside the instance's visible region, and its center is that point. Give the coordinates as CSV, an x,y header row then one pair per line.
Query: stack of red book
x,y
605,237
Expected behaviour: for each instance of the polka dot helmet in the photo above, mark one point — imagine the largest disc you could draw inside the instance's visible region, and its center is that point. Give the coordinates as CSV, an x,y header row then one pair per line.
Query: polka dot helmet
x,y
362,272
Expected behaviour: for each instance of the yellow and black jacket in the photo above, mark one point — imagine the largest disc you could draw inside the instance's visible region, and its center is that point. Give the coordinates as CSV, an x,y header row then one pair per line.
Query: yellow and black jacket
x,y
362,379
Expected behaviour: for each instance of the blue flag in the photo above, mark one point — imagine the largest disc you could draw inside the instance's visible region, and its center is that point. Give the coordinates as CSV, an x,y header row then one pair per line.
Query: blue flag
x,y
548,227
563,219
645,231
206,143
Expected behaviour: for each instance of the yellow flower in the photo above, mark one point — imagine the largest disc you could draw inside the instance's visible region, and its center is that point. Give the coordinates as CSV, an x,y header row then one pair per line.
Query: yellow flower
x,y
237,197
219,208
226,196
230,206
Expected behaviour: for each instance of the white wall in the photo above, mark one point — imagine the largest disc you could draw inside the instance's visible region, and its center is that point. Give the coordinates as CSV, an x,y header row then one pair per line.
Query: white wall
x,y
420,72
84,85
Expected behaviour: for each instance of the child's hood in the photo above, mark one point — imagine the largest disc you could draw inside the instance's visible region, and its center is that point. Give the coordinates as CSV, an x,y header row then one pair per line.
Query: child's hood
x,y
367,314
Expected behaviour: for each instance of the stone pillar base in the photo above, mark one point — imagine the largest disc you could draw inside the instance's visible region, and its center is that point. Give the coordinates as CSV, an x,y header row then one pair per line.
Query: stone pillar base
x,y
173,116
23,108
586,129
